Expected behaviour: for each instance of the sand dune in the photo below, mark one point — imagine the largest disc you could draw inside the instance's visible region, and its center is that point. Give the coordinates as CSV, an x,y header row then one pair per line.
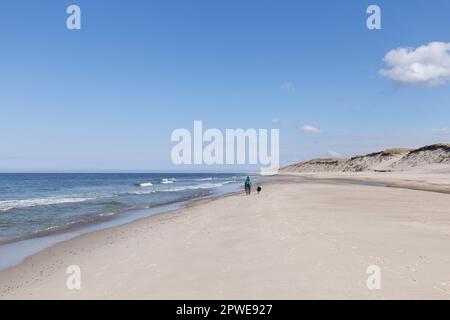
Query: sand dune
x,y
398,159
424,157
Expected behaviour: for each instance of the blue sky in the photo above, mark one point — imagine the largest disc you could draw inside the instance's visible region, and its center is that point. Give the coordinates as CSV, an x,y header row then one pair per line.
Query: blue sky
x,y
108,96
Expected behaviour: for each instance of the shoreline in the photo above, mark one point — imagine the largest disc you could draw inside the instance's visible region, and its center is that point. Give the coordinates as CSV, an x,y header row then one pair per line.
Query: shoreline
x,y
160,217
198,245
107,224
46,241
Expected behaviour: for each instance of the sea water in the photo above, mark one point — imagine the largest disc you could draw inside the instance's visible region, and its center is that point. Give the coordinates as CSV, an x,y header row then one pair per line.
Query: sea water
x,y
38,210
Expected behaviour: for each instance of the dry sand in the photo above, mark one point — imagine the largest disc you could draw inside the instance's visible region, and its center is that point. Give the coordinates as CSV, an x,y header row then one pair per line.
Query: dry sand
x,y
297,240
436,178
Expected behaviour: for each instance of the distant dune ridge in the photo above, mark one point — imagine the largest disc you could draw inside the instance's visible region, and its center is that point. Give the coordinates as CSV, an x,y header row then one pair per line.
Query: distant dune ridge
x,y
397,159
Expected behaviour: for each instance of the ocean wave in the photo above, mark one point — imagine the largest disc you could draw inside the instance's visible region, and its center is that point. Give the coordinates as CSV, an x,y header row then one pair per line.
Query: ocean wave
x,y
195,187
166,181
7,205
107,214
141,192
145,184
205,179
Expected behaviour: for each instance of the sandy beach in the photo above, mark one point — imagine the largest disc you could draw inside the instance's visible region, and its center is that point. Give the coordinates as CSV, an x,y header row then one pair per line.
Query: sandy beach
x,y
298,239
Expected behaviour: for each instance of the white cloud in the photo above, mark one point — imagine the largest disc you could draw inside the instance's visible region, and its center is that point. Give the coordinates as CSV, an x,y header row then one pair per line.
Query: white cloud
x,y
310,129
428,64
333,153
442,130
275,120
288,87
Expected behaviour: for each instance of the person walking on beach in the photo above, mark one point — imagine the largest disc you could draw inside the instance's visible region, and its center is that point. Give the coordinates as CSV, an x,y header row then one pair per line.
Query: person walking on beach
x,y
248,186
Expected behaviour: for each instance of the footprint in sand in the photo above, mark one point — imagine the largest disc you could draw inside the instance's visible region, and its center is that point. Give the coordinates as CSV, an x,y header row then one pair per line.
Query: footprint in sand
x,y
442,290
423,259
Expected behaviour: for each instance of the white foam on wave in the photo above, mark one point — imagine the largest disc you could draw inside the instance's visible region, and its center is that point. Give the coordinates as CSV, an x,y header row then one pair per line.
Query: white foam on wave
x,y
145,184
166,181
25,203
141,192
195,187
204,179
107,214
